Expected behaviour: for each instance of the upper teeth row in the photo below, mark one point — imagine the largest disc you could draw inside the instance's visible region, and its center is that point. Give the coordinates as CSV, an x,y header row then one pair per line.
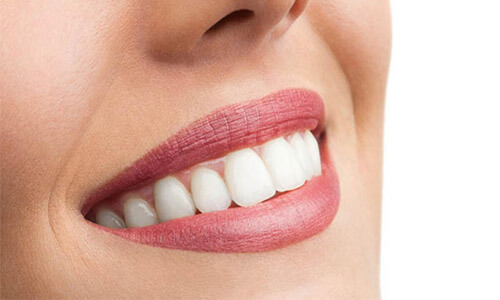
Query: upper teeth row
x,y
249,176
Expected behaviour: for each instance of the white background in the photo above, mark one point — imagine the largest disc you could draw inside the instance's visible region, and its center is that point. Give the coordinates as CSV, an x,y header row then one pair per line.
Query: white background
x,y
441,209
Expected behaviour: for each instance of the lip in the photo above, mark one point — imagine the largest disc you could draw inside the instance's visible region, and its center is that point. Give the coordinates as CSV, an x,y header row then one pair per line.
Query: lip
x,y
280,221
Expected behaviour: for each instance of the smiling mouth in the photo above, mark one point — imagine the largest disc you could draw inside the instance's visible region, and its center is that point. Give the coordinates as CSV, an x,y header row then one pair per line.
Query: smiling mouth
x,y
247,178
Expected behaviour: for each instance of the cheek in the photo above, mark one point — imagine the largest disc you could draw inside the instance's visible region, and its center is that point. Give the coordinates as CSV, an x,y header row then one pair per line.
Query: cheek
x,y
58,67
359,34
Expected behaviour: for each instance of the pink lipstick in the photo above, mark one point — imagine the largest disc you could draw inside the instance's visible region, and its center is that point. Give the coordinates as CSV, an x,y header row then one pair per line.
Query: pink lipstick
x,y
287,218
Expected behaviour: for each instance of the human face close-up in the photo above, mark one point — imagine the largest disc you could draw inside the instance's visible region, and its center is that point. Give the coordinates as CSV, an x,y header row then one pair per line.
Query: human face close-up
x,y
192,149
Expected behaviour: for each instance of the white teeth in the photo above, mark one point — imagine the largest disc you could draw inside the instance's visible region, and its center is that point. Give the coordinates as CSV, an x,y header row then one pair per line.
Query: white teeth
x,y
209,191
108,218
251,175
138,213
247,178
172,200
283,165
313,147
302,152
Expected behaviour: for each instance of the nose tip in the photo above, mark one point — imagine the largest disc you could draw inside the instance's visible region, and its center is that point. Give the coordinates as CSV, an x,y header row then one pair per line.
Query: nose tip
x,y
275,17
178,30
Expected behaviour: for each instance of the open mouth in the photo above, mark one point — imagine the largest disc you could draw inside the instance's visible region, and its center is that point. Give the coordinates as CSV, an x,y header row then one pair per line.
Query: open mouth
x,y
249,177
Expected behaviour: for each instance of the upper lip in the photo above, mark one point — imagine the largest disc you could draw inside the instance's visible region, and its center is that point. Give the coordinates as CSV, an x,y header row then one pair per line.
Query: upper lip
x,y
233,127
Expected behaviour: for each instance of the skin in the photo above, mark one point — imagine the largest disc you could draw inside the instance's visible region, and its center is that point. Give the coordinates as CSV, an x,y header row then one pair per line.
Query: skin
x,y
88,87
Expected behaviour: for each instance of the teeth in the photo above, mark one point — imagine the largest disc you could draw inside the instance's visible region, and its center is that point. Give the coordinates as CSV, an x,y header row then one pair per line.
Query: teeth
x,y
302,152
108,218
283,165
209,191
247,178
313,147
251,175
172,200
138,213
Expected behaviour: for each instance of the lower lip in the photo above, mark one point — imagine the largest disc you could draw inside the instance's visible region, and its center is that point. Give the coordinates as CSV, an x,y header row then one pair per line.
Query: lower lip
x,y
281,221
286,219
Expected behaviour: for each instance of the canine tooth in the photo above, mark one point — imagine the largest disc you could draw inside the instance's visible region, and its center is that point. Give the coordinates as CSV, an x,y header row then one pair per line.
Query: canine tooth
x,y
108,218
302,152
247,178
283,165
312,145
172,200
209,191
138,213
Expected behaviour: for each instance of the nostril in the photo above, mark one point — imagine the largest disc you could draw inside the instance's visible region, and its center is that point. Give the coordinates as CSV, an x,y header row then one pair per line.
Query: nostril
x,y
297,8
234,18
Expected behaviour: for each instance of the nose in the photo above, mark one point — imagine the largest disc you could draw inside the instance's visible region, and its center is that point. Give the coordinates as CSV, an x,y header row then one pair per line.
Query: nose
x,y
176,29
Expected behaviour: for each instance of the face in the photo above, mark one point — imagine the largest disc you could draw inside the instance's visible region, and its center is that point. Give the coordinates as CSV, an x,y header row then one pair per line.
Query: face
x,y
102,99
